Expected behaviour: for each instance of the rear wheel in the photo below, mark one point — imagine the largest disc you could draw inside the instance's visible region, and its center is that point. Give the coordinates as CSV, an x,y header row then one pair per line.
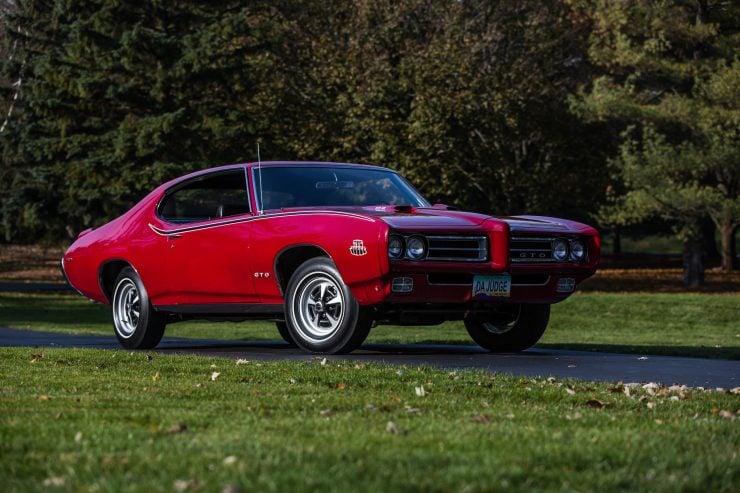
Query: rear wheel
x,y
136,324
511,328
321,314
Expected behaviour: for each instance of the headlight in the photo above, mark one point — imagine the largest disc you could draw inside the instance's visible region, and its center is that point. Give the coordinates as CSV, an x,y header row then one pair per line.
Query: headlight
x,y
395,247
560,250
416,249
577,251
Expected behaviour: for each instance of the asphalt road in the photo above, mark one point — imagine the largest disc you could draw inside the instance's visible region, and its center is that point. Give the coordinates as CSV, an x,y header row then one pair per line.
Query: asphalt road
x,y
668,370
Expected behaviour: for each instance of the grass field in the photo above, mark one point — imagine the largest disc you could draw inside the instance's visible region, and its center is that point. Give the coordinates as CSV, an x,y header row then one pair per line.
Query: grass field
x,y
98,421
91,420
681,324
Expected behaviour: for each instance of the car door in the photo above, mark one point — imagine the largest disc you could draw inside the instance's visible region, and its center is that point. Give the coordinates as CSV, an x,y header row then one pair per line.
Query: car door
x,y
207,239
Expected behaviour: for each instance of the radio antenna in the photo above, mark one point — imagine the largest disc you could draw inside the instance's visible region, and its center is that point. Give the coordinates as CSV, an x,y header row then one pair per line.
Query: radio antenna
x,y
259,172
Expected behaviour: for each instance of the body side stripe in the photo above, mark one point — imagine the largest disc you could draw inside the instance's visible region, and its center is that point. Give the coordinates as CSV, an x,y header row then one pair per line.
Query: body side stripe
x,y
163,232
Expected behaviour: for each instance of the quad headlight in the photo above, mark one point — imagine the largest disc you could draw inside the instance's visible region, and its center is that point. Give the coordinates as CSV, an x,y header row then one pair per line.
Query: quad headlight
x,y
395,247
416,248
560,249
577,251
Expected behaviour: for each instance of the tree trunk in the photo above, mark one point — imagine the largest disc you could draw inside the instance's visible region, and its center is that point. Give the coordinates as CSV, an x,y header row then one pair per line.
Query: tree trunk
x,y
711,250
617,245
693,262
727,235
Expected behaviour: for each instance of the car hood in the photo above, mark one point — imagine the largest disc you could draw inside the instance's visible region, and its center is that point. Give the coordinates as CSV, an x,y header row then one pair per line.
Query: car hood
x,y
412,218
432,218
538,224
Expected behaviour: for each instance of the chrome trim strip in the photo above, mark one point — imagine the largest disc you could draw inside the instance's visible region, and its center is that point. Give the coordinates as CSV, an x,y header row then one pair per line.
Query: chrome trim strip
x,y
190,229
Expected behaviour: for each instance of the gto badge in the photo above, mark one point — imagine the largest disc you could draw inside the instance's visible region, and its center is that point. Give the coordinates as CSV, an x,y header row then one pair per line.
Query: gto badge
x,y
358,248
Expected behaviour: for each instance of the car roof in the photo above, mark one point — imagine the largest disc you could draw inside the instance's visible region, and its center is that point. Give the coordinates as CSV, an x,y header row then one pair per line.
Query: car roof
x,y
268,164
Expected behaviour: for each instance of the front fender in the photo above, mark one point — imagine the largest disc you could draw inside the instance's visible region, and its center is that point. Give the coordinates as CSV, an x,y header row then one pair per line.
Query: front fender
x,y
355,243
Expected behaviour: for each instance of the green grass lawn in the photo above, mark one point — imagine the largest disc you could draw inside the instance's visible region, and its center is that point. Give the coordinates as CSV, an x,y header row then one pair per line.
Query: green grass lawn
x,y
93,420
681,324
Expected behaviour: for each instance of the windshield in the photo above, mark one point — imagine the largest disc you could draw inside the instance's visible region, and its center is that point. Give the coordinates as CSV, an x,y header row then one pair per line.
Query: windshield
x,y
305,186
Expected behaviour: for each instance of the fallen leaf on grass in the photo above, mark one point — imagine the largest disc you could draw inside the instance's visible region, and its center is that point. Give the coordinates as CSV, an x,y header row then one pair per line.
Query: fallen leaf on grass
x,y
55,482
215,375
43,397
391,427
482,419
155,378
658,422
326,412
230,460
78,437
242,362
596,403
36,357
232,488
341,386
420,391
650,405
177,428
293,381
570,391
727,414
181,485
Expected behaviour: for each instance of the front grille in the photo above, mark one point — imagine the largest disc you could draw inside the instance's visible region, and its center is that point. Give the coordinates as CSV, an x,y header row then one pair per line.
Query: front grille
x,y
531,250
457,248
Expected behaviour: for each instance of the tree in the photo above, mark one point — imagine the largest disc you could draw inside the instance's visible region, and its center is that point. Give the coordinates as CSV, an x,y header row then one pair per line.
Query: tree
x,y
468,99
671,80
120,95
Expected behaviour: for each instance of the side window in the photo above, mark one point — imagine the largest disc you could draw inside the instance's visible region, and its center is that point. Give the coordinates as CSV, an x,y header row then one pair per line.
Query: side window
x,y
211,196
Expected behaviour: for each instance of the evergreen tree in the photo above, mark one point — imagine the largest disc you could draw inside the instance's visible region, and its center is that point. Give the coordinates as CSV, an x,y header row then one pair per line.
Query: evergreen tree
x,y
119,96
671,80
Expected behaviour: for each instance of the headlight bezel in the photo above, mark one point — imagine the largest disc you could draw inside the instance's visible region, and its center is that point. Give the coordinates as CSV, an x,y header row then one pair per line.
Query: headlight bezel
x,y
578,252
560,249
402,246
411,241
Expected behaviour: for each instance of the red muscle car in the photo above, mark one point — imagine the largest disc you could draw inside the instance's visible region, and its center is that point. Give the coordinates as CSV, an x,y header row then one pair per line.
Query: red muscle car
x,y
327,251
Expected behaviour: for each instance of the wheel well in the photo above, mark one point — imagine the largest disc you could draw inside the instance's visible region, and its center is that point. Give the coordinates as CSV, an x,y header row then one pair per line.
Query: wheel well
x,y
108,274
290,259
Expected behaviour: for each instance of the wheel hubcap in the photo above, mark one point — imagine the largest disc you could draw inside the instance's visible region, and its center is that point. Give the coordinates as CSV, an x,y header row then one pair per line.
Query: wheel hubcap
x,y
318,307
126,308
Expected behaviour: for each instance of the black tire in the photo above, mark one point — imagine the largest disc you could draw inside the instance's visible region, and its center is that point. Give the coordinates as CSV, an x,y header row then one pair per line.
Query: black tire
x,y
282,328
509,329
135,322
320,311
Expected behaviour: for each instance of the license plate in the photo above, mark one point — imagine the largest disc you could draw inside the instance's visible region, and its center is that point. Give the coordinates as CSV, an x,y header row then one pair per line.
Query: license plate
x,y
486,287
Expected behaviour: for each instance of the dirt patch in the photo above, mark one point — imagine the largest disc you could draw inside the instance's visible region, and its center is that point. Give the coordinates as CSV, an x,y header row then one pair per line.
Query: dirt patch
x,y
659,280
30,263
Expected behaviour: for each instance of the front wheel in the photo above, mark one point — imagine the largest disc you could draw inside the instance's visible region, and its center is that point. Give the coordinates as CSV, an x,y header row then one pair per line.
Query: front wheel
x,y
510,328
282,328
136,323
321,314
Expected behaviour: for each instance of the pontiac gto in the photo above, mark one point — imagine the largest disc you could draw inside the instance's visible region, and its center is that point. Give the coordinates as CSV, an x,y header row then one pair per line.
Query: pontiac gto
x,y
327,251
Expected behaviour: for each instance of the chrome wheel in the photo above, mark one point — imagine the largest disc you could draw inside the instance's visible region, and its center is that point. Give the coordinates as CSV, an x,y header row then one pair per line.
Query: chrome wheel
x,y
127,308
318,307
